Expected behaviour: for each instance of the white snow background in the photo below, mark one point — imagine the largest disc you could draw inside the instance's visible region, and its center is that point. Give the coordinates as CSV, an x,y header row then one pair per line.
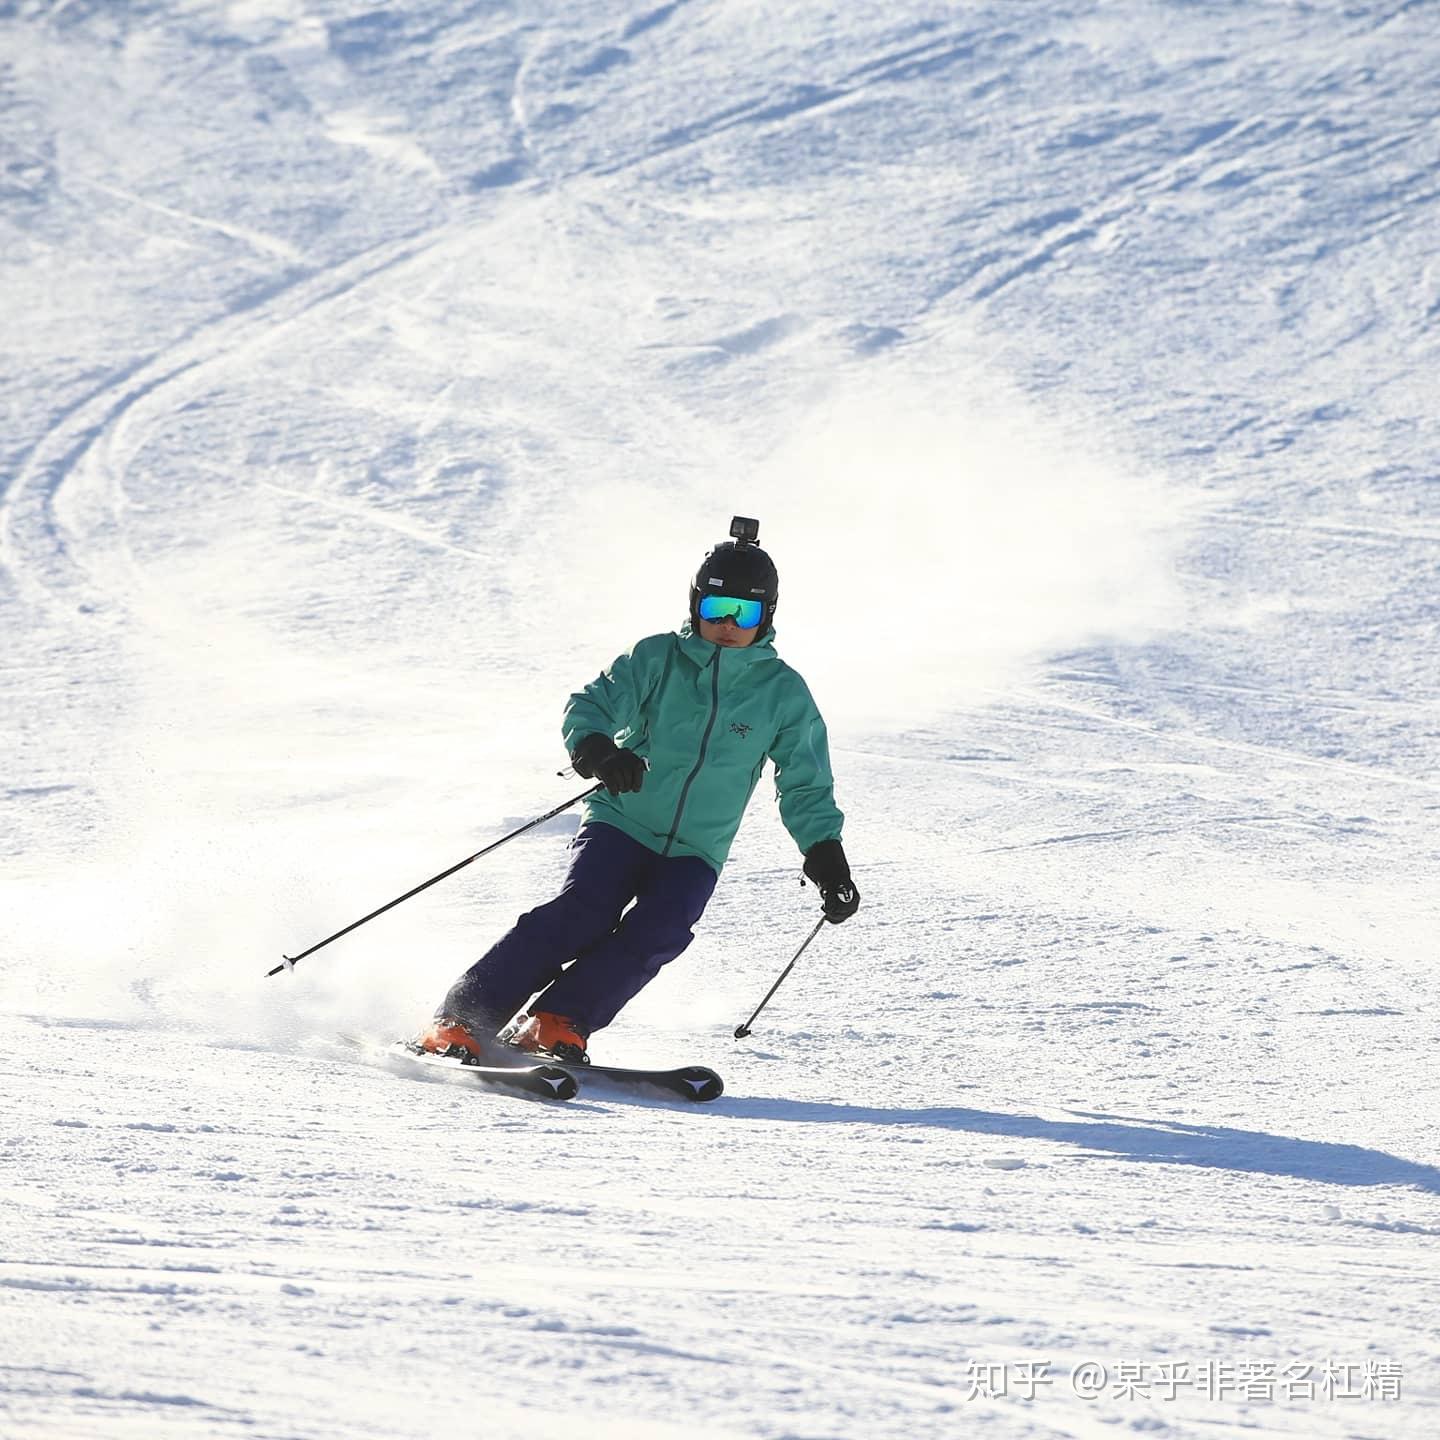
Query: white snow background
x,y
372,376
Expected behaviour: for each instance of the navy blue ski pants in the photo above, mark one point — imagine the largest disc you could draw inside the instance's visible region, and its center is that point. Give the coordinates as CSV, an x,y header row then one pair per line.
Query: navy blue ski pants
x,y
615,952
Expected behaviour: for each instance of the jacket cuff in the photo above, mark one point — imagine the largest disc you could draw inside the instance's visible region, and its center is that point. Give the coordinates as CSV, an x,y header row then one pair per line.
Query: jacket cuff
x,y
825,863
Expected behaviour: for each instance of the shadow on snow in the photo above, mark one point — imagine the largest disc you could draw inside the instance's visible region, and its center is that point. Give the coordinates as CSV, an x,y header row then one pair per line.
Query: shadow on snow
x,y
1162,1142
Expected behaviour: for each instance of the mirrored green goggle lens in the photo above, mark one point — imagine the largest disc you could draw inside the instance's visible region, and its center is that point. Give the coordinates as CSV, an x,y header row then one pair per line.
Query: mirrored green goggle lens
x,y
745,613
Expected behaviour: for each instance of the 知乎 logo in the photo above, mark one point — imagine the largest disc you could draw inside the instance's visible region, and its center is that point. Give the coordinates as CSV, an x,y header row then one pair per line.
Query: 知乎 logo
x,y
740,728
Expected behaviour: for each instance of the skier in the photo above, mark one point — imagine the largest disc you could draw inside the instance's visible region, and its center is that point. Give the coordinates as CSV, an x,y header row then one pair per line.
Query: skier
x,y
677,730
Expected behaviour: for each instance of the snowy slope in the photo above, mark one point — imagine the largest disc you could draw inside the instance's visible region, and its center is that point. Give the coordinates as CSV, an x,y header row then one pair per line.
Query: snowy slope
x,y
372,376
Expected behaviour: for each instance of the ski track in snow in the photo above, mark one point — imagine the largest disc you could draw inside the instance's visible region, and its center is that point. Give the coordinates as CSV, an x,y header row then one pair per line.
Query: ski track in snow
x,y
371,371
32,538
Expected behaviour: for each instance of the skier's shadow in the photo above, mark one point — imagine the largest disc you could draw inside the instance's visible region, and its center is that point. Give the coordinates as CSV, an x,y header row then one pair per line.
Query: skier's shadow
x,y
1154,1142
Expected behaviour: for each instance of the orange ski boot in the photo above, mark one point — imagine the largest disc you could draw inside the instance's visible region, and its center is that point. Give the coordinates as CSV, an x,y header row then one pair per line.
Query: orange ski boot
x,y
444,1036
545,1034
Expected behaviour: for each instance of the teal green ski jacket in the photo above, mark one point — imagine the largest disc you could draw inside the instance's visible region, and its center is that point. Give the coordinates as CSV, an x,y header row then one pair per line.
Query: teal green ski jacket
x,y
706,718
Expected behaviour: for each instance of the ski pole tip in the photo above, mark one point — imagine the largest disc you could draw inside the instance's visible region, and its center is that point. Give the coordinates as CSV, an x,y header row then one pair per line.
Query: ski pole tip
x,y
741,1031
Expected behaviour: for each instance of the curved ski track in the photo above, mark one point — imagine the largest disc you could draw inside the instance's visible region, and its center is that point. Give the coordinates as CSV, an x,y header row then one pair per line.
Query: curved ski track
x,y
49,566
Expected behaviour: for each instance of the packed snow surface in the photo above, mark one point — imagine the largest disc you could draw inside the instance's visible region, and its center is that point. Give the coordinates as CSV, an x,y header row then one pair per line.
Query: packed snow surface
x,y
373,375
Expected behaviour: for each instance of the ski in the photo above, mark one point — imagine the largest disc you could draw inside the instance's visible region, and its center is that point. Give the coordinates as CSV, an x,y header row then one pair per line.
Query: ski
x,y
549,1082
696,1083
505,1068
538,1078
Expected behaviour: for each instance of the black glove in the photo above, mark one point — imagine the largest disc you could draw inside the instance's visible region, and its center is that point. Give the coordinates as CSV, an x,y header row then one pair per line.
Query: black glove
x,y
598,757
826,865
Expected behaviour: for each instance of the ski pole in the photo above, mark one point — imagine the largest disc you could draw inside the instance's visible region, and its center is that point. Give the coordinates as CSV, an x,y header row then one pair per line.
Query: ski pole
x,y
288,962
741,1031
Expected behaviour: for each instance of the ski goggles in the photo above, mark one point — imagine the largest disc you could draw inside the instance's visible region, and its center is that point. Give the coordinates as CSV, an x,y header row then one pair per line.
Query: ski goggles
x,y
745,613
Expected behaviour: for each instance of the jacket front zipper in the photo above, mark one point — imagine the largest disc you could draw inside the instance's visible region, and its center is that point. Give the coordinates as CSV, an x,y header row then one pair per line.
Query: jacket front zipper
x,y
700,759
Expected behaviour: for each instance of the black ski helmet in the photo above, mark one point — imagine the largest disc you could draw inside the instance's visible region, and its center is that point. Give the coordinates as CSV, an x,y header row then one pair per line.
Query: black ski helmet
x,y
738,567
